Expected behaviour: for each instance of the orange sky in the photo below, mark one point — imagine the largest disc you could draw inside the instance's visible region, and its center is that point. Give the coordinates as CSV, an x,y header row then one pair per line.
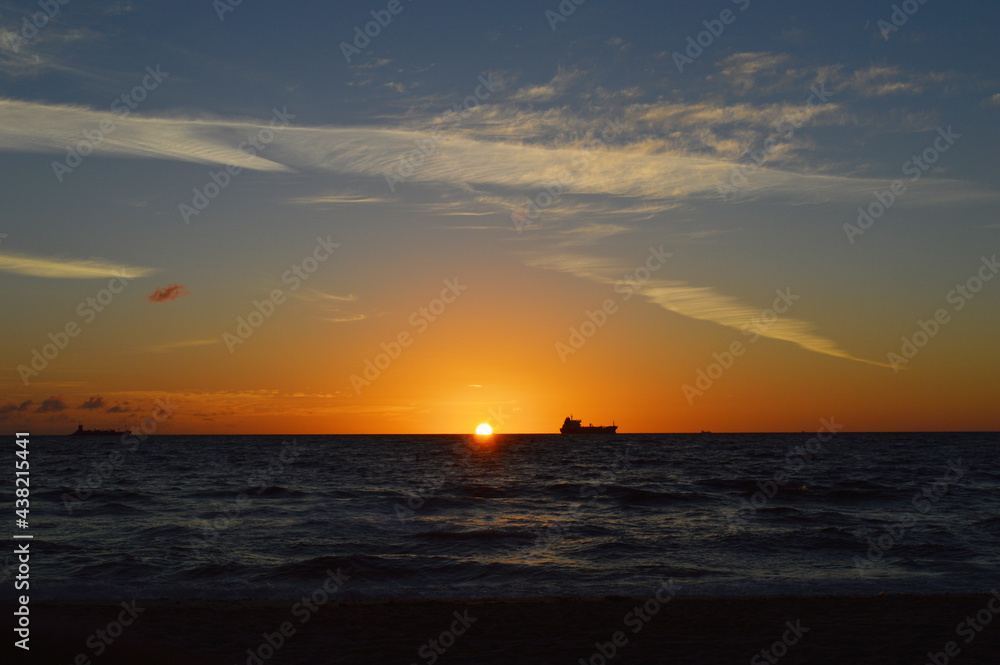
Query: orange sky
x,y
554,220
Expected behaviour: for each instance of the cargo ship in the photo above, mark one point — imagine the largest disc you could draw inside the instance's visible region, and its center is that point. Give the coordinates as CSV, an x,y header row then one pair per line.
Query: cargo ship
x,y
95,432
571,426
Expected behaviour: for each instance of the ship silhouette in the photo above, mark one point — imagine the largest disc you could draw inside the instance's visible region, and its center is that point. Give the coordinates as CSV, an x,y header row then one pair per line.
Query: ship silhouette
x,y
571,426
95,432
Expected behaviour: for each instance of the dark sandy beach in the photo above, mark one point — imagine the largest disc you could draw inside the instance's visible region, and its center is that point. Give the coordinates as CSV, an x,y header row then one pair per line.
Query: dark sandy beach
x,y
835,630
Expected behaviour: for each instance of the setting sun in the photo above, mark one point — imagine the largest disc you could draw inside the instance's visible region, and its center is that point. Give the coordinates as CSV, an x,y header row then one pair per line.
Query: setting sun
x,y
484,430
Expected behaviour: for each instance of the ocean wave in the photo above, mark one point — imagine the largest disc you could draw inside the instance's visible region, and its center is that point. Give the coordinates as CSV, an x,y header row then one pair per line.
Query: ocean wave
x,y
475,534
640,496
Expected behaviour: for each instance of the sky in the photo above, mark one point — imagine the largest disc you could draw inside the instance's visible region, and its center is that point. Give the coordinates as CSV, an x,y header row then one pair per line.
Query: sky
x,y
416,216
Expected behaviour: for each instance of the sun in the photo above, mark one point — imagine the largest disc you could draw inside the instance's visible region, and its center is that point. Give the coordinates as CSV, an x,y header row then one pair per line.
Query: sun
x,y
484,430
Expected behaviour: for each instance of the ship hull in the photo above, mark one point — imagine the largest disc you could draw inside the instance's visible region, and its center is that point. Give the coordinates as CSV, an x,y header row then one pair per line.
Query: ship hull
x,y
610,429
96,432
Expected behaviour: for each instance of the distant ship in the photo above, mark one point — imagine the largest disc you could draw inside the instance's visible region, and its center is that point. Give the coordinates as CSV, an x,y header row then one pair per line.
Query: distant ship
x,y
571,426
95,432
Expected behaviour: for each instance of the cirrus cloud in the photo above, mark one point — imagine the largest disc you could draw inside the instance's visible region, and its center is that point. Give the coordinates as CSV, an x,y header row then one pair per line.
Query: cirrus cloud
x,y
53,268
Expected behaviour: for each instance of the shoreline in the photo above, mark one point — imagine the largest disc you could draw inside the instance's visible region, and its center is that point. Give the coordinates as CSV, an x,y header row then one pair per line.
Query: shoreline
x,y
838,630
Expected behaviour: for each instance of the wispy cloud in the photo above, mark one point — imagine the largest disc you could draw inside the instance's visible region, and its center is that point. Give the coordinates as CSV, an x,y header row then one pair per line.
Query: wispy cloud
x,y
329,306
44,51
314,294
119,7
761,73
696,302
344,319
590,233
38,266
37,127
182,344
473,227
593,268
742,69
668,153
338,198
879,81
374,64
706,304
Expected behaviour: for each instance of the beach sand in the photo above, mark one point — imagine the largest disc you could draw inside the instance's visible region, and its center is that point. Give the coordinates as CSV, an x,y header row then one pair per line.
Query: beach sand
x,y
890,630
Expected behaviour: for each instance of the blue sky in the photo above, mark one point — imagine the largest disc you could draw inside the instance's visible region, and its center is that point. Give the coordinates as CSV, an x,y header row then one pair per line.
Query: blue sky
x,y
879,97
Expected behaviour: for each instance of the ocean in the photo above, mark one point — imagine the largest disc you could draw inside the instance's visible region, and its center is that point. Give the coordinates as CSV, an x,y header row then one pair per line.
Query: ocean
x,y
512,516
